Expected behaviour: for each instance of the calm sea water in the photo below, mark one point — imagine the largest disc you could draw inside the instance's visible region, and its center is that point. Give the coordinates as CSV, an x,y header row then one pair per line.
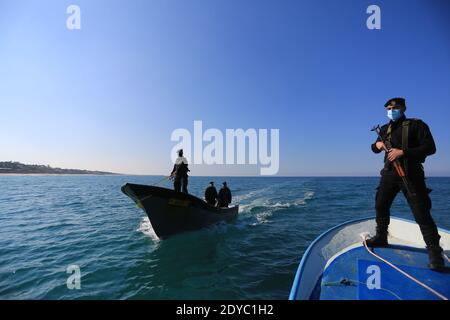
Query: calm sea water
x,y
50,222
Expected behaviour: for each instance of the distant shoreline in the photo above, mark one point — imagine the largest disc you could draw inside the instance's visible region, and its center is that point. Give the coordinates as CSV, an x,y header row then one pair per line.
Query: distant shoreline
x,y
59,174
17,168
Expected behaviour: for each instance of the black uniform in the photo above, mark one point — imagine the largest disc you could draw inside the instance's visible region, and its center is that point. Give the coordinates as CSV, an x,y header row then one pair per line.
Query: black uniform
x,y
211,195
224,197
420,144
180,172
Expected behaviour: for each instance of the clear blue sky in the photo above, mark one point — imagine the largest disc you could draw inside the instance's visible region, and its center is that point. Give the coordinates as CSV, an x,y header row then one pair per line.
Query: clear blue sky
x,y
108,96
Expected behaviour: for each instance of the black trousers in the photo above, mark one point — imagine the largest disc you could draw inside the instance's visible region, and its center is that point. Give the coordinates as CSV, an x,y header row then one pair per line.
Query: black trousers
x,y
180,184
419,202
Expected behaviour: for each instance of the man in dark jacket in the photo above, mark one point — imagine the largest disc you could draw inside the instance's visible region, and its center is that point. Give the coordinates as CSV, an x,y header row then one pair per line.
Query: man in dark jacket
x,y
224,197
179,173
211,194
412,142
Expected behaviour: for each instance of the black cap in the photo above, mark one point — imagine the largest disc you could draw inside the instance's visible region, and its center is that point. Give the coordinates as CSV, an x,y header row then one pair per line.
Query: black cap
x,y
396,102
211,182
224,183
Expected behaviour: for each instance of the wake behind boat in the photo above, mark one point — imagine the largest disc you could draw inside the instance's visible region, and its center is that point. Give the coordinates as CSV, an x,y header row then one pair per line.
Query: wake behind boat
x,y
172,212
338,266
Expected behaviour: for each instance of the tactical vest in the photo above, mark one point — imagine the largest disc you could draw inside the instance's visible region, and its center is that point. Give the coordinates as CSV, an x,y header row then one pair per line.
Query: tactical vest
x,y
405,137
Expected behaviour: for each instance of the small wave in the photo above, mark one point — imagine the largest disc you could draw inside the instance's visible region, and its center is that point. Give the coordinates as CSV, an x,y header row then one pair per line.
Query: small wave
x,y
146,228
263,217
282,205
309,195
266,202
264,207
250,194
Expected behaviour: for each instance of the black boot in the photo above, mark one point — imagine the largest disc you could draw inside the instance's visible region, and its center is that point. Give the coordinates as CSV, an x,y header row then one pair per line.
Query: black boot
x,y
380,238
436,259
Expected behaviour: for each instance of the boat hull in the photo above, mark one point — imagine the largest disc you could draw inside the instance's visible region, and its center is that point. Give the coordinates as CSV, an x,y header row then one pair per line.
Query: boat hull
x,y
173,212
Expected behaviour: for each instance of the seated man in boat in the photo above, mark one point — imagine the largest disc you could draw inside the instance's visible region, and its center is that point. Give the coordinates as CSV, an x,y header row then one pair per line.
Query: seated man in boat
x,y
179,173
411,142
211,194
224,197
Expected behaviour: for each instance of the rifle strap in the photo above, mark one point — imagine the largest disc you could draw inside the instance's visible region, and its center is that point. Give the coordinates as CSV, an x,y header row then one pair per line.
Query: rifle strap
x,y
389,133
387,163
405,136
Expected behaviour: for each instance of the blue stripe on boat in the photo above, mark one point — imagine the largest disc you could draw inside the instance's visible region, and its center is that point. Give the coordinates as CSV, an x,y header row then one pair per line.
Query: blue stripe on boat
x,y
351,276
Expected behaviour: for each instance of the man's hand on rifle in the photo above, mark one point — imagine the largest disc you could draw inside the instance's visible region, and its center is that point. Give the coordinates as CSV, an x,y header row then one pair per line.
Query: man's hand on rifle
x,y
380,145
395,154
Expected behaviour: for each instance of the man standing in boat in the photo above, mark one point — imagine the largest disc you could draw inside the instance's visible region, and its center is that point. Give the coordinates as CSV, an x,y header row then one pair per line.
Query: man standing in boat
x,y
211,194
411,142
179,173
224,197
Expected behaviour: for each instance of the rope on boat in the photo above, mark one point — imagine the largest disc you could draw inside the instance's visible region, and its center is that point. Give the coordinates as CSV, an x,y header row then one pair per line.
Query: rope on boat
x,y
446,257
161,181
404,273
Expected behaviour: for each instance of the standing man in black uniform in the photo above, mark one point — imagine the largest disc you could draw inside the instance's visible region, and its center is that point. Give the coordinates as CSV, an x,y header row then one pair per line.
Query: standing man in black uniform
x,y
179,173
224,196
211,194
412,142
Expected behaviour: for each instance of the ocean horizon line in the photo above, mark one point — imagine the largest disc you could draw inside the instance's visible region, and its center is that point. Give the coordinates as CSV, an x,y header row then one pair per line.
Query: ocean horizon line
x,y
191,176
